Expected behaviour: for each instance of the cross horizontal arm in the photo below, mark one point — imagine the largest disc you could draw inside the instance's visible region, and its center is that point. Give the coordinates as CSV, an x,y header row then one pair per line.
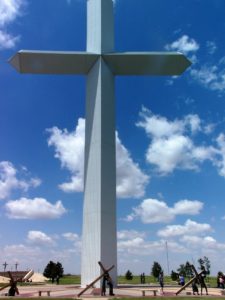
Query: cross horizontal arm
x,y
147,63
53,62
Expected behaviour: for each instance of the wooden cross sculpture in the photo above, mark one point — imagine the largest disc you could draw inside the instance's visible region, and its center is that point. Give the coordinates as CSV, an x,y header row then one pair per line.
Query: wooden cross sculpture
x,y
97,279
197,275
13,282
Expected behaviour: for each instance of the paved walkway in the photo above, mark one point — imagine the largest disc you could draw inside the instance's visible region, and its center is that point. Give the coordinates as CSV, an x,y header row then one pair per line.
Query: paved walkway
x,y
71,291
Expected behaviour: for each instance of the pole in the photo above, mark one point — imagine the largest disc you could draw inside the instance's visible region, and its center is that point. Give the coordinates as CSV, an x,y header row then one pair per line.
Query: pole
x,y
167,259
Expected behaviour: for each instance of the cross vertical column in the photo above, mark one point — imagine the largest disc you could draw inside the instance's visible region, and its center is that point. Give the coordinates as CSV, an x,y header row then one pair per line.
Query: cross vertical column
x,y
100,26
99,242
99,211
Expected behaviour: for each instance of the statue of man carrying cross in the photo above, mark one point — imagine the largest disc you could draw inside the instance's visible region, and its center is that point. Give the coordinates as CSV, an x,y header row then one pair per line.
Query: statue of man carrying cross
x,y
100,64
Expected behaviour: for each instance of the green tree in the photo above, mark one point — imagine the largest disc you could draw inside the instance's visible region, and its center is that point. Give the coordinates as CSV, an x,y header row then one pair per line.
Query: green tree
x,y
53,270
129,275
189,271
156,269
204,263
182,270
174,276
59,269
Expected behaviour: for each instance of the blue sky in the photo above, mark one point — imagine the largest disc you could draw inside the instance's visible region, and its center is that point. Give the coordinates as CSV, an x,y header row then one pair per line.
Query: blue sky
x,y
170,137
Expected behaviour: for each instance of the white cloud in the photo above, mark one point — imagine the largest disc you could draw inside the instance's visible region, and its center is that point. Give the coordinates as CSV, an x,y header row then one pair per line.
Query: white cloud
x,y
37,208
158,126
7,41
211,46
189,228
24,252
9,11
39,238
69,149
131,244
153,211
131,181
185,44
221,163
171,145
211,76
187,207
10,181
207,243
169,154
71,236
138,247
156,211
130,234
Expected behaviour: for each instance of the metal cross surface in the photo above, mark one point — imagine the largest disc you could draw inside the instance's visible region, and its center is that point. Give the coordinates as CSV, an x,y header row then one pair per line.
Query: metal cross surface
x,y
100,64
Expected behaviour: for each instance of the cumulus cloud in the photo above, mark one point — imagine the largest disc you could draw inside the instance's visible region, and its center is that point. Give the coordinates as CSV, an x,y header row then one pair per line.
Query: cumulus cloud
x,y
19,250
184,207
9,11
184,44
7,41
69,149
130,234
210,76
172,145
156,211
39,238
211,47
11,179
75,239
37,208
131,181
139,246
221,163
71,236
207,243
189,228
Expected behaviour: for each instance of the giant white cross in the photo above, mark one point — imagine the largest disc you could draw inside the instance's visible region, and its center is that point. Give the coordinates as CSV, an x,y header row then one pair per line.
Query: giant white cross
x,y
100,64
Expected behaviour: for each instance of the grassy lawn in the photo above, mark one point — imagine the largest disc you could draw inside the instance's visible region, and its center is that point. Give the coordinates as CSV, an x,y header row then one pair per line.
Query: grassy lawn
x,y
75,279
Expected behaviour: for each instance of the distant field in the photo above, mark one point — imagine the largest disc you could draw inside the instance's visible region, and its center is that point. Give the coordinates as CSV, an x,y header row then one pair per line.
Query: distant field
x,y
70,279
75,279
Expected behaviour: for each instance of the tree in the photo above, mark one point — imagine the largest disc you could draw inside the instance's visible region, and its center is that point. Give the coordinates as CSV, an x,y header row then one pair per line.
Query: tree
x,y
129,275
204,264
53,270
59,269
174,276
182,270
185,270
156,269
189,271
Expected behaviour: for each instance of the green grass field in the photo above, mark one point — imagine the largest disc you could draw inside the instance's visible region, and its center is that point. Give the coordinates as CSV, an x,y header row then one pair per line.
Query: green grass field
x,y
75,279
